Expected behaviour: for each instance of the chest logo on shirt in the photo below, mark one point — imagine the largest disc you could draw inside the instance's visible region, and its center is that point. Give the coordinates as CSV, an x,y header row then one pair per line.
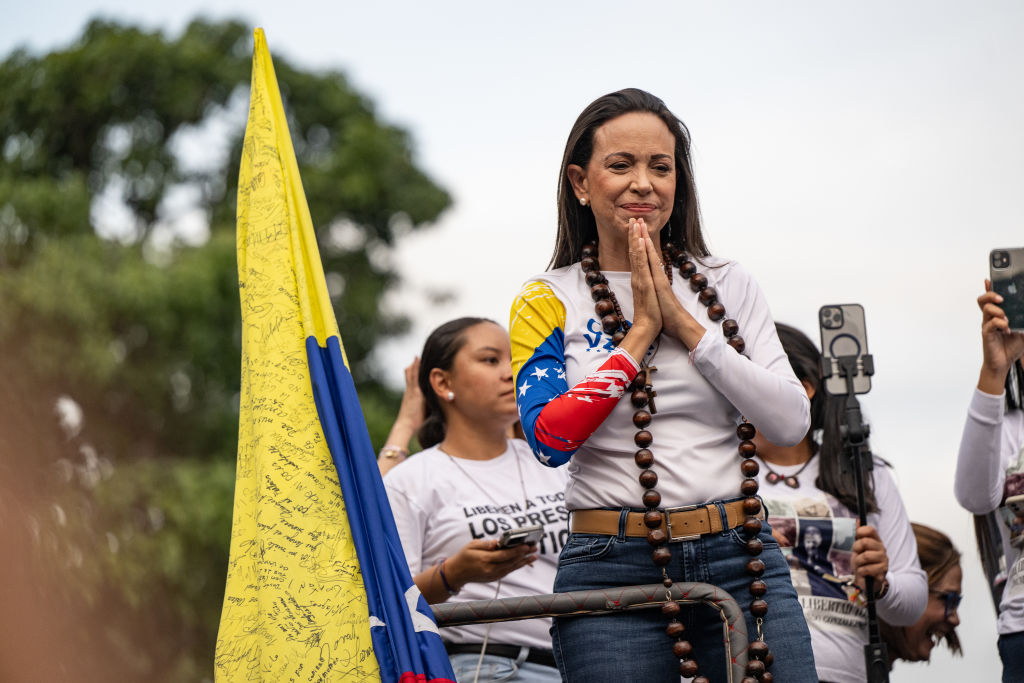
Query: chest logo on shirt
x,y
597,340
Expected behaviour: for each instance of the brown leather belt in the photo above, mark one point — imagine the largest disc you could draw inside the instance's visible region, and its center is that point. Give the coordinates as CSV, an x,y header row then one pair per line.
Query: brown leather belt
x,y
680,524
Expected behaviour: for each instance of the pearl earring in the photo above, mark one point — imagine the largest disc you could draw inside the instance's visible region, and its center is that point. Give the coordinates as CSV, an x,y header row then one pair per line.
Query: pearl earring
x,y
583,201
450,396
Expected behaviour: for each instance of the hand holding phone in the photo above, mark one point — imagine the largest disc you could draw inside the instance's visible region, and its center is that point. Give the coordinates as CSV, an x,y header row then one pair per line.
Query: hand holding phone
x,y
521,535
1006,270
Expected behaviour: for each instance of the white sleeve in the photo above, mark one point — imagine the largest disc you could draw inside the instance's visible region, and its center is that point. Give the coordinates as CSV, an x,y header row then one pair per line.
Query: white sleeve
x,y
907,598
409,517
980,469
762,387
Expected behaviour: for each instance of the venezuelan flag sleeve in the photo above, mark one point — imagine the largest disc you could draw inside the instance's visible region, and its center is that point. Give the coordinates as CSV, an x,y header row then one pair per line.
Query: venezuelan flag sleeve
x,y
317,587
557,419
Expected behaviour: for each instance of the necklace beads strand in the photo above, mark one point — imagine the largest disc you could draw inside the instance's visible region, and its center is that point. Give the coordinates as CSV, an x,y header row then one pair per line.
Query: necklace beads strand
x,y
614,323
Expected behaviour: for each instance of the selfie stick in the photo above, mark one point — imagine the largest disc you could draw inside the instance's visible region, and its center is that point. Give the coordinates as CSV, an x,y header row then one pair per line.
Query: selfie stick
x,y
855,435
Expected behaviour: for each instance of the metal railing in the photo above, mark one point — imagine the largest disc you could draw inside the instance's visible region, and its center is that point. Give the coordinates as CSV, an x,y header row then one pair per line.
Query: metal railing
x,y
579,603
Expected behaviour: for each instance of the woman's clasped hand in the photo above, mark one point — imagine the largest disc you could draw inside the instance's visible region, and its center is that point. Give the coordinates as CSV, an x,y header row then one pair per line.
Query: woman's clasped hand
x,y
655,305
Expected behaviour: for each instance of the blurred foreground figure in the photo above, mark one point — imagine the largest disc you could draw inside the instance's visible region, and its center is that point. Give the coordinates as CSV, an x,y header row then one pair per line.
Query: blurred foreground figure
x,y
55,623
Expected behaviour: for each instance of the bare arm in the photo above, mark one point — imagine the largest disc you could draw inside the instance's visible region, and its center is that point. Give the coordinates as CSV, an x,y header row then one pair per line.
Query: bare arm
x,y
410,417
477,561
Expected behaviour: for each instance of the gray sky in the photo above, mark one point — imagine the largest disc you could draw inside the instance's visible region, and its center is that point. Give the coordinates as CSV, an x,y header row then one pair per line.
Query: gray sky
x,y
844,152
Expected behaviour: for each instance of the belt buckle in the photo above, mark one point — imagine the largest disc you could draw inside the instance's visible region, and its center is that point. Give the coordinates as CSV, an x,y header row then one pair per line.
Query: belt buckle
x,y
668,522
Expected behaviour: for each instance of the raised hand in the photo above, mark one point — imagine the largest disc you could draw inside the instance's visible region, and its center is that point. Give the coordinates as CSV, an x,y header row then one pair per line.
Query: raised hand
x,y
410,417
1000,347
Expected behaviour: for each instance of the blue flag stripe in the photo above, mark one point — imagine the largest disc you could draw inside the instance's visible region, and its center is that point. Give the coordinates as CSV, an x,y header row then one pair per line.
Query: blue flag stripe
x,y
401,650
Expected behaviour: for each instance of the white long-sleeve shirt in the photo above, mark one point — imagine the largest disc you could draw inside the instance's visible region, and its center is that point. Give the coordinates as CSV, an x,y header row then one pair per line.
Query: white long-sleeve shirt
x,y
558,344
990,467
441,504
819,561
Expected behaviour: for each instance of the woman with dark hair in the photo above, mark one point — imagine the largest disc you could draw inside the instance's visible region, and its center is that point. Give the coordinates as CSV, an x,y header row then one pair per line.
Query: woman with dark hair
x,y
471,482
805,489
633,300
990,466
940,560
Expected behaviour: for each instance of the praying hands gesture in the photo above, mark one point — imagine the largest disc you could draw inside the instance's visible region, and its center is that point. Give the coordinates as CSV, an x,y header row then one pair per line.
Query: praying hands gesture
x,y
655,306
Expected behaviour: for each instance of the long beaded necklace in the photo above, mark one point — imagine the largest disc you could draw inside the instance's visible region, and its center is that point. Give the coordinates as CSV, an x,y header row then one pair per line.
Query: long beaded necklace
x,y
614,323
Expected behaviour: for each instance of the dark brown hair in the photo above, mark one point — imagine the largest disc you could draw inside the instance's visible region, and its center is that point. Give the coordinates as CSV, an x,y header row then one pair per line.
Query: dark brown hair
x,y
576,225
937,555
439,352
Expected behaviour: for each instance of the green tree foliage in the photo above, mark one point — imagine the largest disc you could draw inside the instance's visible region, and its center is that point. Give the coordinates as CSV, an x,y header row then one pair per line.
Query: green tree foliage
x,y
103,119
105,301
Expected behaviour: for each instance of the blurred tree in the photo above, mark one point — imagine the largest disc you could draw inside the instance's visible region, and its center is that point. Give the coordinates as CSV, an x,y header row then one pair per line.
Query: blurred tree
x,y
117,130
118,165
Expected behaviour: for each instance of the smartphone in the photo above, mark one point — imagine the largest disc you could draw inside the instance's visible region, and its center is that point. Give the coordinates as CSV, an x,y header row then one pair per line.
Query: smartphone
x,y
843,335
1006,270
523,534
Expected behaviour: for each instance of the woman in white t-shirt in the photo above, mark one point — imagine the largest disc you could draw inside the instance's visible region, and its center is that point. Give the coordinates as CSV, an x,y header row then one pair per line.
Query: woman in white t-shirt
x,y
812,508
990,467
453,500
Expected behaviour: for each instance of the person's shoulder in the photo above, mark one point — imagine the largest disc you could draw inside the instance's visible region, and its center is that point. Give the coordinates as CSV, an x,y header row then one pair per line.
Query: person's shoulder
x,y
884,471
413,469
885,479
522,450
548,292
558,279
729,276
720,268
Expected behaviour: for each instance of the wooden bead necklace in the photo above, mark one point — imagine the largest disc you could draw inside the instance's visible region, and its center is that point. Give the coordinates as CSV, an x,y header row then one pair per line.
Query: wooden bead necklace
x,y
614,323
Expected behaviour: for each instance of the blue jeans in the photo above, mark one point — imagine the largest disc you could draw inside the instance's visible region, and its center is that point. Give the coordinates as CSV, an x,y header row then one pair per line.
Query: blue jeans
x,y
1011,651
496,669
633,646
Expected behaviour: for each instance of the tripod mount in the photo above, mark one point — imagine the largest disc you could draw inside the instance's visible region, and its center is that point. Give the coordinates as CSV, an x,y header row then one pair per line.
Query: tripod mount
x,y
858,457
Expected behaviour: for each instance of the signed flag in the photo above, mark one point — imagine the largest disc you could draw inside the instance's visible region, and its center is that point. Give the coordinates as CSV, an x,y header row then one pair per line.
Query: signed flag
x,y
317,587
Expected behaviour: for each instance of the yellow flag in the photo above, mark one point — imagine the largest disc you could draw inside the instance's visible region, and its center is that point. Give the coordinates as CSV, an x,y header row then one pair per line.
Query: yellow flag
x,y
295,607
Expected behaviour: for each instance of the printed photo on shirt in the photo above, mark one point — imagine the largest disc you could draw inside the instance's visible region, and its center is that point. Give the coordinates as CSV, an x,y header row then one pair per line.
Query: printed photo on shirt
x,y
817,541
1014,487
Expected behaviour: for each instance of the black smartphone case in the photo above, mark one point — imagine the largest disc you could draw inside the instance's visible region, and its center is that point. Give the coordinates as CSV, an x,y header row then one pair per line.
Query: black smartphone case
x,y
1008,282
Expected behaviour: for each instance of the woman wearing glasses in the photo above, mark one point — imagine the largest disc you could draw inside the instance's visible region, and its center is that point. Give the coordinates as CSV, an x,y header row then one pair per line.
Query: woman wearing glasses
x,y
990,467
941,561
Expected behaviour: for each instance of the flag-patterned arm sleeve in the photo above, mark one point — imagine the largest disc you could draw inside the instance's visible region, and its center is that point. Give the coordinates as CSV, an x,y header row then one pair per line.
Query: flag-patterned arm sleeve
x,y
557,419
